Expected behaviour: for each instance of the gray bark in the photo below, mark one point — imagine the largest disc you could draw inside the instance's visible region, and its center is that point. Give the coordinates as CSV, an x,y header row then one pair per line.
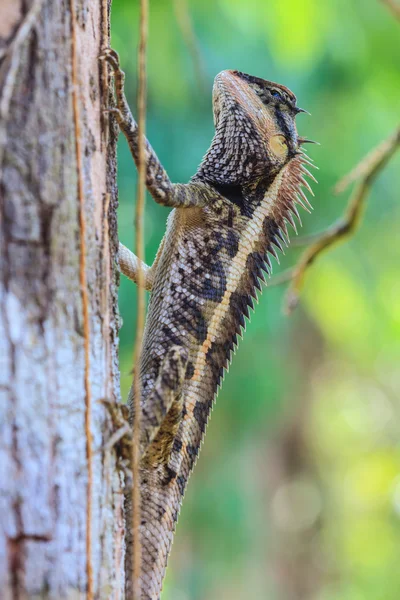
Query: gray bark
x,y
43,463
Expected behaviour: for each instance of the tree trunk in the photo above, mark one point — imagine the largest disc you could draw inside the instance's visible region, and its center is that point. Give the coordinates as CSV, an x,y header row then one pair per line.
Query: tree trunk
x,y
296,495
58,202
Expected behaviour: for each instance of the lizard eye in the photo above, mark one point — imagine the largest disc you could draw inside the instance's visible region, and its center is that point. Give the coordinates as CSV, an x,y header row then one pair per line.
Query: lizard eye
x,y
277,95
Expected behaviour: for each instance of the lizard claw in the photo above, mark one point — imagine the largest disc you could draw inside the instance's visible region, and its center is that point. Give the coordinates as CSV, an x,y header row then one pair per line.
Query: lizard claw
x,y
110,56
113,111
118,412
121,436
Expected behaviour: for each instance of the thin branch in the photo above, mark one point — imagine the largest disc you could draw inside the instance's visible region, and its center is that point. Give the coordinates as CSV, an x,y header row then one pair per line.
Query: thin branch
x,y
364,167
139,225
23,29
305,240
344,226
185,24
281,278
394,7
360,171
15,58
85,303
104,89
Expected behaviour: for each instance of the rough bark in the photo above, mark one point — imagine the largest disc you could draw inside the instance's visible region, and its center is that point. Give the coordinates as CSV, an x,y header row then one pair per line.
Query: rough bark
x,y
43,445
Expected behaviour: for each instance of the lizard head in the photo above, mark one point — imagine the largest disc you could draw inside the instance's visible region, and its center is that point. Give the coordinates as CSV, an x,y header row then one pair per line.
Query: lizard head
x,y
255,130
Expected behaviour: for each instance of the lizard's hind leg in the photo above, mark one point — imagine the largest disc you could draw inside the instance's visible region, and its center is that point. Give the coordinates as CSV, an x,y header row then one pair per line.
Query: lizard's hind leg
x,y
162,409
129,265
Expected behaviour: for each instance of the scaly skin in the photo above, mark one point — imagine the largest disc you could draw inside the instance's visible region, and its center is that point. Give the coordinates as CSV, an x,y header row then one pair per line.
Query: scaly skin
x,y
225,223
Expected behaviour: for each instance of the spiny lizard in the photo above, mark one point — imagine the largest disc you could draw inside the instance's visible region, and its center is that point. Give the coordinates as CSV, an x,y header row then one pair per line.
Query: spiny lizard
x,y
224,225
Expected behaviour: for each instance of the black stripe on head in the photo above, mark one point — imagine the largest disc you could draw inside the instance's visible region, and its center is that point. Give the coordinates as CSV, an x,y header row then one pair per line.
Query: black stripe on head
x,y
264,84
280,119
250,78
287,128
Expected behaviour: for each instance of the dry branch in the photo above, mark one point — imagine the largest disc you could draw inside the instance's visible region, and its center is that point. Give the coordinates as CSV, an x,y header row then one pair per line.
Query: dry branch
x,y
139,226
394,7
186,26
366,172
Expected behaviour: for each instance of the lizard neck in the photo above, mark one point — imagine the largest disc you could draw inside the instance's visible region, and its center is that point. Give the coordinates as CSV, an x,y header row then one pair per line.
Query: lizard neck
x,y
246,196
238,155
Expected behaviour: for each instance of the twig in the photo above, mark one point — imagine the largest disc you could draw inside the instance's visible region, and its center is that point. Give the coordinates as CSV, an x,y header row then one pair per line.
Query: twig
x,y
344,226
23,29
185,24
104,90
394,7
365,166
15,59
139,221
305,240
283,277
85,303
358,172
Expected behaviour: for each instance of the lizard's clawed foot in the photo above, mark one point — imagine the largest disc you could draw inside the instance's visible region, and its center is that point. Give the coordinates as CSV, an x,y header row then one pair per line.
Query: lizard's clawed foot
x,y
121,437
112,110
110,56
122,113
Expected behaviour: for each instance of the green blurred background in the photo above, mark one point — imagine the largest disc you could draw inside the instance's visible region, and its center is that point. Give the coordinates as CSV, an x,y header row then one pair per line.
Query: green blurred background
x,y
296,495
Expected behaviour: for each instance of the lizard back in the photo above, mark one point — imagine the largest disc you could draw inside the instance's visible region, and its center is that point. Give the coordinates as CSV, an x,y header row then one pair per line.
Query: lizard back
x,y
212,263
209,267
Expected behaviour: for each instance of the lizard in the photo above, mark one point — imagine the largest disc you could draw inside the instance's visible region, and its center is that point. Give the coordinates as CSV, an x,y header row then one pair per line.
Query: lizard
x,y
225,224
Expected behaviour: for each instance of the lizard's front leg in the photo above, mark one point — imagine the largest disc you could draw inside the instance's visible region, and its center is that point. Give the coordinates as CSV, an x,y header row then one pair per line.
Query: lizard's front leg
x,y
129,265
157,181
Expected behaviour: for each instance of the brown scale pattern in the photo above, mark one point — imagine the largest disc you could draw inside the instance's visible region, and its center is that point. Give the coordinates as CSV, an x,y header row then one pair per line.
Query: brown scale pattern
x,y
227,222
201,300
